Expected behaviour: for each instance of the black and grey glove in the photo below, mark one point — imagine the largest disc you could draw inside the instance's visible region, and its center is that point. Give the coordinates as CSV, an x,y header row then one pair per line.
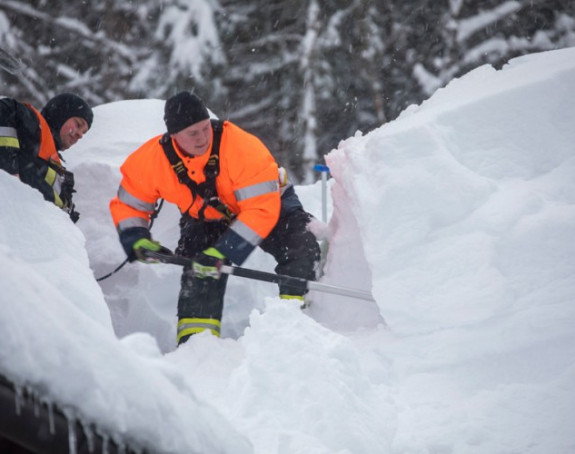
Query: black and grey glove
x,y
66,193
67,188
74,215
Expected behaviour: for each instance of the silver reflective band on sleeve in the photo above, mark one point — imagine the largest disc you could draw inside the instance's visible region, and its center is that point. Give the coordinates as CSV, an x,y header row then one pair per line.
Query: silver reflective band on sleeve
x,y
7,131
256,189
9,137
246,233
134,202
132,222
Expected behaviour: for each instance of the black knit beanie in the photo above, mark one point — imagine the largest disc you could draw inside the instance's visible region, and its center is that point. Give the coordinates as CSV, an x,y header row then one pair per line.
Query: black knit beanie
x,y
63,107
183,110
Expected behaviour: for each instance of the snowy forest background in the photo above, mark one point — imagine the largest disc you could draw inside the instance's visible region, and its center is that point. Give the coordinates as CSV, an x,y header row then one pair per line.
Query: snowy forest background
x,y
300,74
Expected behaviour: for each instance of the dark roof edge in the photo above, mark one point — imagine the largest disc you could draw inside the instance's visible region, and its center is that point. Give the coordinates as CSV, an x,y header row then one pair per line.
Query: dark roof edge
x,y
44,429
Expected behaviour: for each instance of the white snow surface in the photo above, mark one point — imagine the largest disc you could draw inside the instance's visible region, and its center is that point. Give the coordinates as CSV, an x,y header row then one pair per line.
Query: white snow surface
x,y
459,217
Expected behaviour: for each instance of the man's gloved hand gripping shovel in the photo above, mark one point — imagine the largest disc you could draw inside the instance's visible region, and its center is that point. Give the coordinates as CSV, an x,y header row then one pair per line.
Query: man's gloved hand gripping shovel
x,y
164,257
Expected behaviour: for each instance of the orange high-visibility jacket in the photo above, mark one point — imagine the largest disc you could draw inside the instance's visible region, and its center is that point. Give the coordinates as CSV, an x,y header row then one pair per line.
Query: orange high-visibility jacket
x,y
47,150
247,184
24,136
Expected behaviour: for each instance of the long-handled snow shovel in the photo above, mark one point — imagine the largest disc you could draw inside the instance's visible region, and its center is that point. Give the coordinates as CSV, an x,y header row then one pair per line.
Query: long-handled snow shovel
x,y
267,277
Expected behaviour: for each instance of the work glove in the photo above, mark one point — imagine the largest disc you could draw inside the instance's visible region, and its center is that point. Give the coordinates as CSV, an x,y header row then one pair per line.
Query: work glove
x,y
208,264
66,193
74,215
145,245
67,189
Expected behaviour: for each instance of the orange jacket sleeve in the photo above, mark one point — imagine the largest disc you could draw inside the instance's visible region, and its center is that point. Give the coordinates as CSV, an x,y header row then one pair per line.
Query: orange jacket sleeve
x,y
253,192
137,195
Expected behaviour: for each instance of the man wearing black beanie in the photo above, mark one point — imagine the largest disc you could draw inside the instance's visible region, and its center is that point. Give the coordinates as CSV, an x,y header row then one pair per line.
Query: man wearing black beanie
x,y
59,110
233,198
30,142
183,110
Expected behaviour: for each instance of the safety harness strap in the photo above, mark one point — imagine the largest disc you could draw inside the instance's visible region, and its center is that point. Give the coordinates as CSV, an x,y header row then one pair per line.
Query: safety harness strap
x,y
206,190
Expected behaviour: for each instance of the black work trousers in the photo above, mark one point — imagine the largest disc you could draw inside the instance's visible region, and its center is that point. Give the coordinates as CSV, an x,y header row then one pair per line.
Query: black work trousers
x,y
293,246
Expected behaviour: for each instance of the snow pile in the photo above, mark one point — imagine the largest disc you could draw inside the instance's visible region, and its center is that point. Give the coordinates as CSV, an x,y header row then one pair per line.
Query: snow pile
x,y
466,210
475,188
459,216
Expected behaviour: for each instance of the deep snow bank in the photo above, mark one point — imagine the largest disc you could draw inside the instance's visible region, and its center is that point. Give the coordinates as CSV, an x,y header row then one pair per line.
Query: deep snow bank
x,y
467,200
58,341
465,209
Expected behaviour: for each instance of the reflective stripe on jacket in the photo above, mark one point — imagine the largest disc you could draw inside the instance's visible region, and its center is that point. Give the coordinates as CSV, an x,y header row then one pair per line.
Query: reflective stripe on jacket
x,y
247,184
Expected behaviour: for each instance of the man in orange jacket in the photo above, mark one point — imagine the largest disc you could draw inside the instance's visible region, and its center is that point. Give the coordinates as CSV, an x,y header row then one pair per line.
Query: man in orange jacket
x,y
226,184
30,142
